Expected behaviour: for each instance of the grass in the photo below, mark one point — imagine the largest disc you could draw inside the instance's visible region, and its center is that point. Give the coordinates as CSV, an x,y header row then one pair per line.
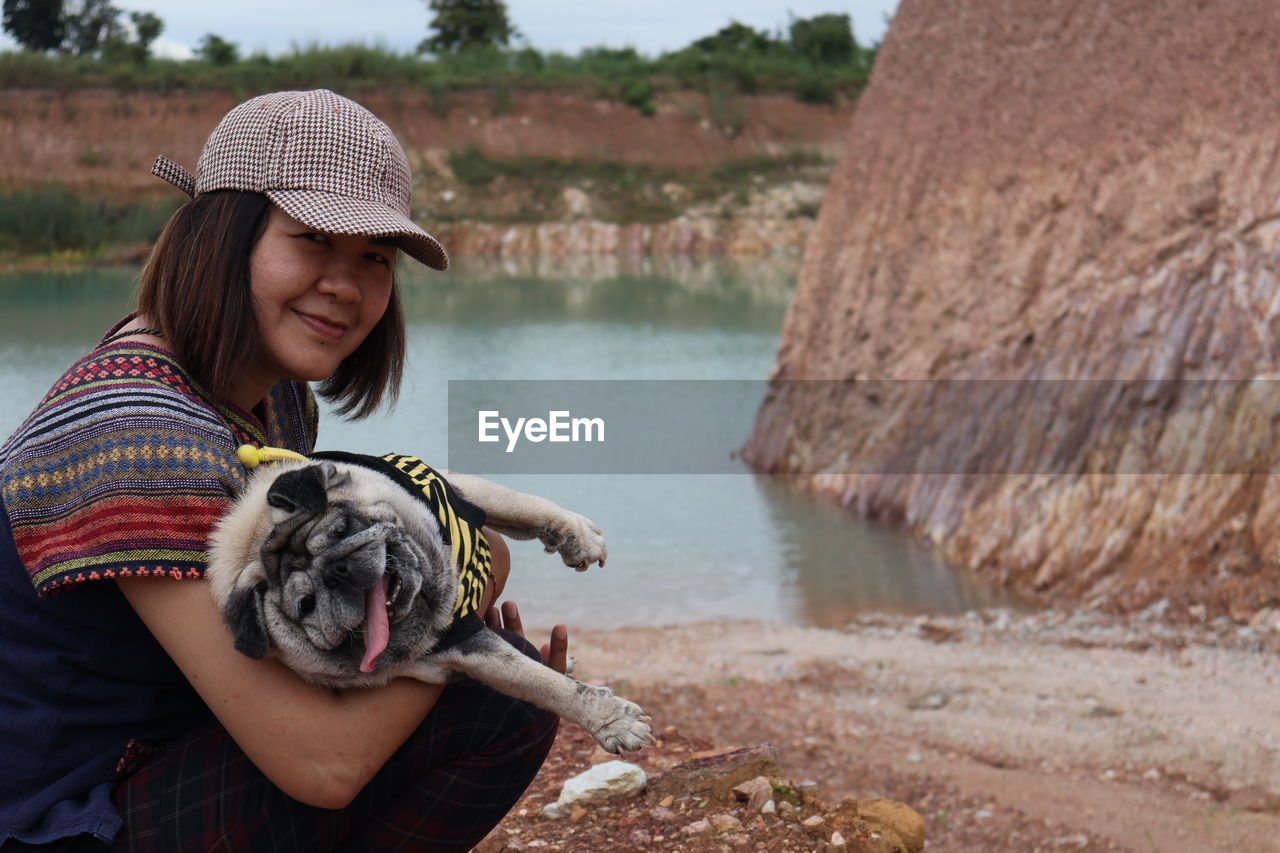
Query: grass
x,y
622,74
784,790
475,168
726,112
623,193
53,219
472,166
626,191
741,169
59,223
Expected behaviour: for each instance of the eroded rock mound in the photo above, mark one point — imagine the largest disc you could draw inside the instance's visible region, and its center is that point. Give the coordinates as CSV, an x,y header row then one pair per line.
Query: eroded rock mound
x,y
1034,192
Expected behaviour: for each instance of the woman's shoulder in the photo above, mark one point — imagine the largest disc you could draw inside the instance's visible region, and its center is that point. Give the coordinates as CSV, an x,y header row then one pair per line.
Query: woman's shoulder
x,y
117,402
124,365
123,449
120,371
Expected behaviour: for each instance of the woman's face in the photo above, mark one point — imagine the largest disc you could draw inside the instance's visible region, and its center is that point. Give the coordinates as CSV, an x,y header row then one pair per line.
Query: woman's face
x,y
316,296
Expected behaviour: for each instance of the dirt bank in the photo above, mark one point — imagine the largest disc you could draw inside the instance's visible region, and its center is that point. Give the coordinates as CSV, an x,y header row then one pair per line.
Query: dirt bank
x,y
1046,732
538,174
108,139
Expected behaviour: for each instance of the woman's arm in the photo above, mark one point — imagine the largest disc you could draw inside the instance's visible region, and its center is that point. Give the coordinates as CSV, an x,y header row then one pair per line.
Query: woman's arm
x,y
319,746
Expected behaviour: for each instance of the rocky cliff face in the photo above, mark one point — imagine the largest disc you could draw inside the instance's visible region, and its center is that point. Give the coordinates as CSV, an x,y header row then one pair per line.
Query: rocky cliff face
x,y
1034,192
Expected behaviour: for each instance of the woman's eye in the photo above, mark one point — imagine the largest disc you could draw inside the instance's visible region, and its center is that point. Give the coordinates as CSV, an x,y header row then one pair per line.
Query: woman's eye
x,y
379,258
313,237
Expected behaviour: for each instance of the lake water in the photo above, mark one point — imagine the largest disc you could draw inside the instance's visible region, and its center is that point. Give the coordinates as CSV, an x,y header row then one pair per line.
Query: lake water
x,y
681,547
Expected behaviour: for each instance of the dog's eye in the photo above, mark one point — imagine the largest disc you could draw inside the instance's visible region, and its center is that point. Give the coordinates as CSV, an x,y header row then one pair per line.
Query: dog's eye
x,y
339,527
306,604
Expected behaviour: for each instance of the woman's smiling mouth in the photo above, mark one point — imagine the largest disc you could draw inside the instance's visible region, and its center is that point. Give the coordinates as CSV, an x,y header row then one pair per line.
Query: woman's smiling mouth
x,y
321,326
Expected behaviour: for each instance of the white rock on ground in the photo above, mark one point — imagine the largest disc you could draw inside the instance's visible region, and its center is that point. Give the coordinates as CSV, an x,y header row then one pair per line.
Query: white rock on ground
x,y
610,779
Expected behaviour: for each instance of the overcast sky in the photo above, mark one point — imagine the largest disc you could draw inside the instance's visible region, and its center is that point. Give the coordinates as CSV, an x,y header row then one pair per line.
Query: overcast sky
x,y
651,27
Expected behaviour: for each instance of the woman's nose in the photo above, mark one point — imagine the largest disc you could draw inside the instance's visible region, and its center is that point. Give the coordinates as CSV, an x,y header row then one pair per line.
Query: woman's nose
x,y
340,281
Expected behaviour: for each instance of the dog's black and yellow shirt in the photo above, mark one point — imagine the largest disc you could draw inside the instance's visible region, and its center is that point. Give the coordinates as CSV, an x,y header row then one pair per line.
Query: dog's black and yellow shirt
x,y
460,524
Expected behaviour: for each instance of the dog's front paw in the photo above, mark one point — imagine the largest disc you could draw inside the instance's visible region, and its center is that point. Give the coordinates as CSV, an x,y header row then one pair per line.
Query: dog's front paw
x,y
577,540
630,731
617,724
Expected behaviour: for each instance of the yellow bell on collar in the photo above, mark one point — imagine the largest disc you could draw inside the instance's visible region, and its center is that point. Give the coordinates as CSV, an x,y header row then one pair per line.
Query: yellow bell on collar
x,y
251,457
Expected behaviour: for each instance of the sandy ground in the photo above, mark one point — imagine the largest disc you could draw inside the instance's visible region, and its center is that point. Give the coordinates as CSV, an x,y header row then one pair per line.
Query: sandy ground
x,y
1005,732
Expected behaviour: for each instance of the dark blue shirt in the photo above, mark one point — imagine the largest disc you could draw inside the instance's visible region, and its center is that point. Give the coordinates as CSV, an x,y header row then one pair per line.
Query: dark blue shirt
x,y
85,690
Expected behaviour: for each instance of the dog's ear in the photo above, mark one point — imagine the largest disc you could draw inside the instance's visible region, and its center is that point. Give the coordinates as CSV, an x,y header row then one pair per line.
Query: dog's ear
x,y
334,477
300,490
243,615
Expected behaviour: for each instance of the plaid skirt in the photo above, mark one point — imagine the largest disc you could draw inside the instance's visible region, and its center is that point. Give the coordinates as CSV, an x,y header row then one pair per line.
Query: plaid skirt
x,y
443,790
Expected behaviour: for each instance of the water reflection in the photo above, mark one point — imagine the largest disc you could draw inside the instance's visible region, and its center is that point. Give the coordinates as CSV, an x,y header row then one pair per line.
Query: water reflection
x,y
62,308
604,289
682,548
763,274
47,321
839,564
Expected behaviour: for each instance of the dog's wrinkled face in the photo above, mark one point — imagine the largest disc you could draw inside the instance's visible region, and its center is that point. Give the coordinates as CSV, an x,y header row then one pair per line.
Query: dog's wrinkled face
x,y
344,582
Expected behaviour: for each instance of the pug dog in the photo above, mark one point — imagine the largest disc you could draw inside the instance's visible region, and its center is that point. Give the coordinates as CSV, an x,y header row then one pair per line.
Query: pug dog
x,y
354,570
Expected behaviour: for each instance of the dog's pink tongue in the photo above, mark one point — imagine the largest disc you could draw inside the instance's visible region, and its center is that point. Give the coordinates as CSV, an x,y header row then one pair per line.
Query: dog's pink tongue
x,y
375,627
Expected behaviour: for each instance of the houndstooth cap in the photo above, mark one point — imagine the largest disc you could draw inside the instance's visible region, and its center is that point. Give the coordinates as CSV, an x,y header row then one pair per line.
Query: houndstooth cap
x,y
321,158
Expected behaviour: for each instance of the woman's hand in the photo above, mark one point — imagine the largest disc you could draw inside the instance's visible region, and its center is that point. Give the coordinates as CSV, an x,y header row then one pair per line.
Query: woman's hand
x,y
555,652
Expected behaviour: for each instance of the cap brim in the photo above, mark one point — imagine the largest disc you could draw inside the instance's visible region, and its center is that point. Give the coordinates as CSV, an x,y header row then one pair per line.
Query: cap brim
x,y
340,214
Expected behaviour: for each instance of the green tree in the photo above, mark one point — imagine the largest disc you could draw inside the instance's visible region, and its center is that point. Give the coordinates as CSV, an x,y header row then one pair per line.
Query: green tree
x,y
735,38
824,39
98,28
90,25
34,24
147,27
464,24
216,50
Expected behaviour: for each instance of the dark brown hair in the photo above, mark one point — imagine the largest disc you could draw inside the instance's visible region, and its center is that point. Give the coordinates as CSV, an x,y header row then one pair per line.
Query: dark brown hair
x,y
195,289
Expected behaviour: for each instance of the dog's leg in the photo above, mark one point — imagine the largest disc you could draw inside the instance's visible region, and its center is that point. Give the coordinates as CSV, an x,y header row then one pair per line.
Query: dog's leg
x,y
618,725
522,516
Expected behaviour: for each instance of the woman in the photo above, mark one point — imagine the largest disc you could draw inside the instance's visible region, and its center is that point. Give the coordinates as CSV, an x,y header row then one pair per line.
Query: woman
x,y
128,717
